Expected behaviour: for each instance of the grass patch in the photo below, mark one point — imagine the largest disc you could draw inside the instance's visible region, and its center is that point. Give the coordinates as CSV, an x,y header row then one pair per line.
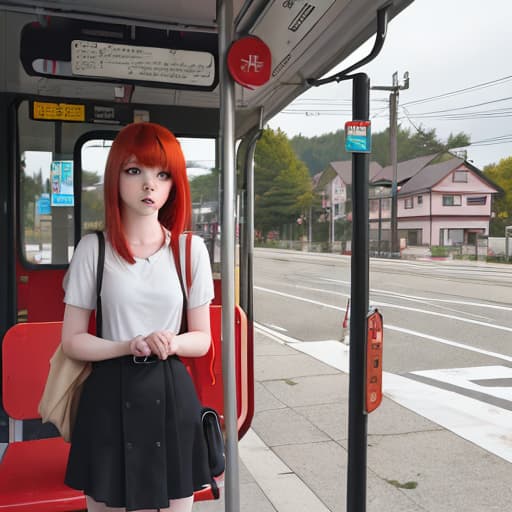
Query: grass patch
x,y
405,485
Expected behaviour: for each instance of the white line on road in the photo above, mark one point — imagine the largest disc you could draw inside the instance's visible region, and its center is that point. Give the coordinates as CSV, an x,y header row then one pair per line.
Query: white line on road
x,y
416,310
416,334
432,299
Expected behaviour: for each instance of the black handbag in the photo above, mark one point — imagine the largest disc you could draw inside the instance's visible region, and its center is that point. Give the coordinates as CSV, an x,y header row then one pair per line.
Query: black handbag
x,y
214,441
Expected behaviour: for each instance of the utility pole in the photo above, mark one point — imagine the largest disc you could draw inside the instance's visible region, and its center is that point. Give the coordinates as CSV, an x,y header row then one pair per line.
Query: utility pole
x,y
393,150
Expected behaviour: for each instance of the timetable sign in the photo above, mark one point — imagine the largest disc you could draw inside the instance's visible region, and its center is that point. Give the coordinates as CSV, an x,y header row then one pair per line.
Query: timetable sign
x,y
358,137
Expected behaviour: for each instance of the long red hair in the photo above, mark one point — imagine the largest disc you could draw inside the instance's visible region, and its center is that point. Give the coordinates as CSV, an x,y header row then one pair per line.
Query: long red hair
x,y
153,146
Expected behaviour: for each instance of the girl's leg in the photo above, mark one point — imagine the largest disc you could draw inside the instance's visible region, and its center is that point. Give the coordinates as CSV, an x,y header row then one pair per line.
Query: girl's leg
x,y
95,506
181,505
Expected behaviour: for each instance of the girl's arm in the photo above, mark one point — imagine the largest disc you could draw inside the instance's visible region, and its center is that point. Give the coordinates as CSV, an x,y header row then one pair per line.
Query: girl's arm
x,y
77,343
196,342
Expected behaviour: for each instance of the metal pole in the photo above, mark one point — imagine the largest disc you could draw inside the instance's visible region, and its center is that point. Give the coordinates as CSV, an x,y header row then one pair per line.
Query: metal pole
x,y
332,216
393,100
380,227
227,159
393,149
357,419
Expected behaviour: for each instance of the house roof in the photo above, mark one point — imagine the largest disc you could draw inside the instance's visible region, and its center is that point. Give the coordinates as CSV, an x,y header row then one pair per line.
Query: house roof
x,y
343,169
405,170
430,175
316,178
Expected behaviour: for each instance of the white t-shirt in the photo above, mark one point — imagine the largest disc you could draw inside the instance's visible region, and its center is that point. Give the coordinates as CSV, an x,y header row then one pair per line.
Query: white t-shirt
x,y
140,298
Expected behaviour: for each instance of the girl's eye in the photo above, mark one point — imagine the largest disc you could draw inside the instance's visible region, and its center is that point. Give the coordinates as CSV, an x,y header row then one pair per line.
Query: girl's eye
x,y
132,171
164,175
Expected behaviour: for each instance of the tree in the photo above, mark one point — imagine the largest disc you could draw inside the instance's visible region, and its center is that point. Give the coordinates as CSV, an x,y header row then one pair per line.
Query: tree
x,y
283,188
205,188
317,152
421,143
501,174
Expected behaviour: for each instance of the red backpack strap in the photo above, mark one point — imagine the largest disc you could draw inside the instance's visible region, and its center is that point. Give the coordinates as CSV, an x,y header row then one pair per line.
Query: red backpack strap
x,y
188,261
188,280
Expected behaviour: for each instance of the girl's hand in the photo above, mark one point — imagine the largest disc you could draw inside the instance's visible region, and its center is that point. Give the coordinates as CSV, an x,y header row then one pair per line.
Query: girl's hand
x,y
139,347
162,343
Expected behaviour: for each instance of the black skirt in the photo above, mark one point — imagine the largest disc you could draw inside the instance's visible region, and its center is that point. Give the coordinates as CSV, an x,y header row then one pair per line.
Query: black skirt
x,y
138,440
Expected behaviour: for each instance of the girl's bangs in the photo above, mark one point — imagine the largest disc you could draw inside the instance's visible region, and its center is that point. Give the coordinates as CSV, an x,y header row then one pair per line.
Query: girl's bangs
x,y
148,150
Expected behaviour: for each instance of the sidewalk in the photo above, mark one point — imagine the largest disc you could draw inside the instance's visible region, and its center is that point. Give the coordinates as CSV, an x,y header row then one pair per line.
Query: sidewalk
x,y
293,459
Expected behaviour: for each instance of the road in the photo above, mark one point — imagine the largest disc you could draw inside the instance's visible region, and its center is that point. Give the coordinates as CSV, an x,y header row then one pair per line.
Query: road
x,y
448,332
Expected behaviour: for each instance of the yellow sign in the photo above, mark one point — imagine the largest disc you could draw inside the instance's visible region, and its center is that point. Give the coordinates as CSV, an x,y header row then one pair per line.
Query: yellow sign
x,y
59,111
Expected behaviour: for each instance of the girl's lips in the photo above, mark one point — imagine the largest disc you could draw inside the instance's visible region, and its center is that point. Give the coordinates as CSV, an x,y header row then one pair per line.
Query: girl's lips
x,y
148,200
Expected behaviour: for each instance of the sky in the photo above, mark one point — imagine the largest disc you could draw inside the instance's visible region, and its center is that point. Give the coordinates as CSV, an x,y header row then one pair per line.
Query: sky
x,y
446,46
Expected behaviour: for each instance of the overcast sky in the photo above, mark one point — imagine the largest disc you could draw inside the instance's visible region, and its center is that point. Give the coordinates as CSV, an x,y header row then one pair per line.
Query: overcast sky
x,y
446,46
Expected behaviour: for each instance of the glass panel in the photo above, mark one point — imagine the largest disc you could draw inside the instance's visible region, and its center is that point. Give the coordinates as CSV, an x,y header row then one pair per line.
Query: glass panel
x,y
45,193
94,155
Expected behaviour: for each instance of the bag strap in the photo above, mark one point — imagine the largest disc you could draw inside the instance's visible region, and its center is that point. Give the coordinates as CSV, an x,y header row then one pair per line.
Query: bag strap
x,y
99,281
175,246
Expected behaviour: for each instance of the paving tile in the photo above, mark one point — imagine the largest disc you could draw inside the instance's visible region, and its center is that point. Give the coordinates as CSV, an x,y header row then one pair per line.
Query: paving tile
x,y
264,400
271,367
481,482
285,426
314,390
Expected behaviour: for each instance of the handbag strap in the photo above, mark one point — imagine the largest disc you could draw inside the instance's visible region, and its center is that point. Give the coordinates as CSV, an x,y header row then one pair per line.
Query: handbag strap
x,y
175,246
99,281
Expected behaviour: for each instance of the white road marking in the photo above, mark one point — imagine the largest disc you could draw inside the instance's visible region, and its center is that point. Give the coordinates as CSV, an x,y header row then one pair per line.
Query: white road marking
x,y
448,342
285,490
449,301
277,327
479,422
465,377
416,310
415,334
280,337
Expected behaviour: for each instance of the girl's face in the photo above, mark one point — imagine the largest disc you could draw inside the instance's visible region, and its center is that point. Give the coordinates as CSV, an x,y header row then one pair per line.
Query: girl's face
x,y
143,190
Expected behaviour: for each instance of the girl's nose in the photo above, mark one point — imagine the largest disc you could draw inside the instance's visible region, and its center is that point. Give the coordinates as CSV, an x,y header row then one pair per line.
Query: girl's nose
x,y
148,184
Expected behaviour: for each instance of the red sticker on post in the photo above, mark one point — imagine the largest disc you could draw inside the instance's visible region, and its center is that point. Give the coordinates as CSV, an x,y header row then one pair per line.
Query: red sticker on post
x,y
249,62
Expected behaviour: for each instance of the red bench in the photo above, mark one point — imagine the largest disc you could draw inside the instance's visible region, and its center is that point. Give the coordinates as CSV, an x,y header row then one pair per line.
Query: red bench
x,y
32,472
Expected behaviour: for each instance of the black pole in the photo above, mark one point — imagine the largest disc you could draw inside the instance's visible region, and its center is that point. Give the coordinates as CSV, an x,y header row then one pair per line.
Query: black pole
x,y
357,419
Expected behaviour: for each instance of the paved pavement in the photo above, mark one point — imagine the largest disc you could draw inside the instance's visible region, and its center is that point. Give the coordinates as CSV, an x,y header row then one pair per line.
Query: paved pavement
x,y
293,459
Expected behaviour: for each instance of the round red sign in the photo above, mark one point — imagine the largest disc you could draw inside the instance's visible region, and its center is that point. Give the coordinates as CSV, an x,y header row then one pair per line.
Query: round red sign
x,y
249,62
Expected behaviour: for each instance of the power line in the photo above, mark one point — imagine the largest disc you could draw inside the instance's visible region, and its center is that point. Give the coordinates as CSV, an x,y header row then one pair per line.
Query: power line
x,y
483,85
462,108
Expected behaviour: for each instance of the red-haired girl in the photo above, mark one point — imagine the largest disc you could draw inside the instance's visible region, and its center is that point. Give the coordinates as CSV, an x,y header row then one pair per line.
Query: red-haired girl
x,y
137,443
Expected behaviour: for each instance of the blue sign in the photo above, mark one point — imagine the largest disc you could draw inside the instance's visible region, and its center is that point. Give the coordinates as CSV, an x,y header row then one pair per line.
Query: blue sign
x,y
358,137
62,183
43,205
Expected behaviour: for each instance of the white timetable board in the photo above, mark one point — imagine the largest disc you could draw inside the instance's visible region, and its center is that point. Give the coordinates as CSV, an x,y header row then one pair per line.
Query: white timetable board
x,y
144,63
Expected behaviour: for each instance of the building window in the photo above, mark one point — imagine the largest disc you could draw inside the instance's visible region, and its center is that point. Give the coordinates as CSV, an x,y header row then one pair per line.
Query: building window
x,y
460,176
448,237
420,199
408,202
476,200
452,200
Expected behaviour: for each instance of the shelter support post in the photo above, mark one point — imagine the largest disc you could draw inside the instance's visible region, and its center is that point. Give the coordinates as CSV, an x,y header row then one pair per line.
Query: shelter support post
x,y
227,160
357,419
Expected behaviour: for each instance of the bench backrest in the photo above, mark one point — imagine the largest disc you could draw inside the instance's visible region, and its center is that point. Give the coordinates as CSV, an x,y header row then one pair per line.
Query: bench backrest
x,y
28,347
26,352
